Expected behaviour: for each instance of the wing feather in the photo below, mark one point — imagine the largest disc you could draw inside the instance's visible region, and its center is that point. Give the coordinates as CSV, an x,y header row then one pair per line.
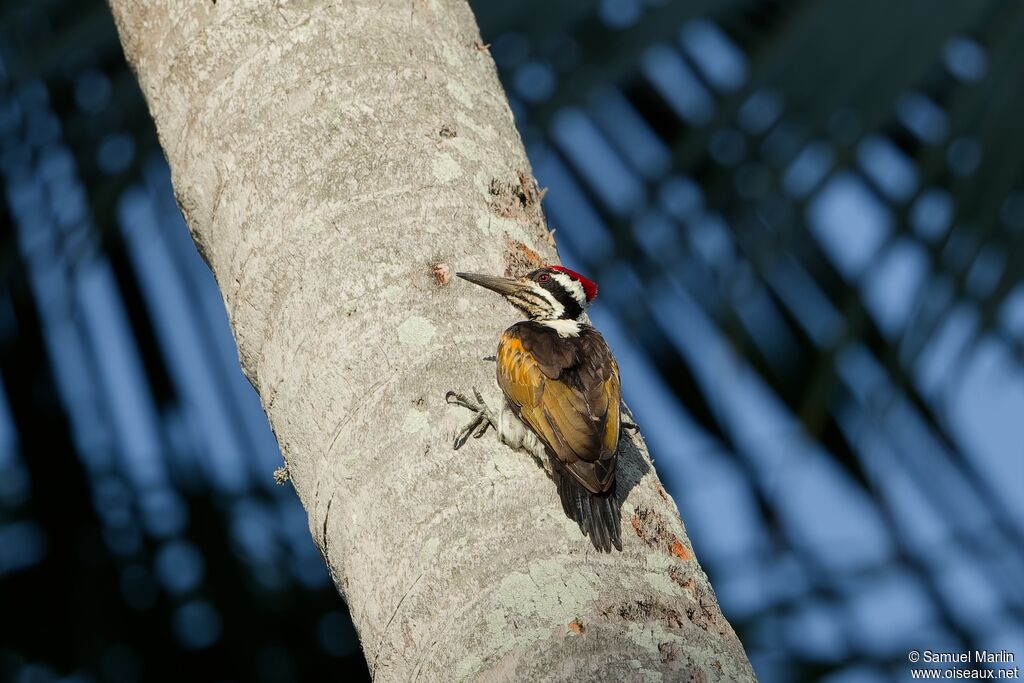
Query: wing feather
x,y
573,407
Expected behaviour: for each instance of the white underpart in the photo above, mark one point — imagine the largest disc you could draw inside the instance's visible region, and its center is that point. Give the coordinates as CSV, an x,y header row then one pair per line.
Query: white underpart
x,y
573,287
564,328
517,436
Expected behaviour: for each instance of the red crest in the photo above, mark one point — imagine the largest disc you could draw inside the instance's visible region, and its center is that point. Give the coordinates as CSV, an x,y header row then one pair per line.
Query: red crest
x,y
589,286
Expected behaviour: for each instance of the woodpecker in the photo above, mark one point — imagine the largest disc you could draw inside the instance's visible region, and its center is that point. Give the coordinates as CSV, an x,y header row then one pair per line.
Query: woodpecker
x,y
561,395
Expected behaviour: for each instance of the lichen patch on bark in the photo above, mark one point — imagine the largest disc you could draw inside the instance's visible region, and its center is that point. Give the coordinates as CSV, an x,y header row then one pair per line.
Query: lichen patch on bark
x,y
445,168
415,421
416,331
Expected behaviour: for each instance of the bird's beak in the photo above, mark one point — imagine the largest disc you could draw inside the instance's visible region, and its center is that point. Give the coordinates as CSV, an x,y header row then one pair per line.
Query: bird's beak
x,y
502,285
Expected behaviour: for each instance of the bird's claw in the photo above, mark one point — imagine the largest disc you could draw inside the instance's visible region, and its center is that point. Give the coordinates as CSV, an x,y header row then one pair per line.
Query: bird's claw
x,y
456,399
478,426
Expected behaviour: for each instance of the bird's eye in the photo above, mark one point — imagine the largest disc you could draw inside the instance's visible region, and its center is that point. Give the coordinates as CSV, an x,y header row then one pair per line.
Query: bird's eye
x,y
543,277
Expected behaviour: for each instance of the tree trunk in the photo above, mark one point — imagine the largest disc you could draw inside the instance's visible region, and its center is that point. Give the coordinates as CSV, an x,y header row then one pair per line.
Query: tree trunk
x,y
333,162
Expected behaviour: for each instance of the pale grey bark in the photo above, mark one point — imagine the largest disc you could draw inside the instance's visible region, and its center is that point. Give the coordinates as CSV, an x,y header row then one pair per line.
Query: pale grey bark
x,y
327,157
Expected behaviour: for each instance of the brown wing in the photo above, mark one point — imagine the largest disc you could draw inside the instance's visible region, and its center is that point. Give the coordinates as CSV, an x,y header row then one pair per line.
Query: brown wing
x,y
569,400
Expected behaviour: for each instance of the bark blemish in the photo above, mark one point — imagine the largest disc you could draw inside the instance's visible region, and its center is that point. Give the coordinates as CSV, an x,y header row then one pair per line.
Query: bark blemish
x,y
703,613
680,550
518,200
645,611
380,645
442,274
652,529
684,582
663,493
447,131
519,258
672,652
323,531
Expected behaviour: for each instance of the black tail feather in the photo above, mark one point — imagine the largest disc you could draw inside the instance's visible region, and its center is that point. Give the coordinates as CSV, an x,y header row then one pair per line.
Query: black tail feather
x,y
598,515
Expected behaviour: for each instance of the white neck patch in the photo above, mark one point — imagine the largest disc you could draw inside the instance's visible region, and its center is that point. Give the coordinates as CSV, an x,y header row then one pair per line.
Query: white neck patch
x,y
564,328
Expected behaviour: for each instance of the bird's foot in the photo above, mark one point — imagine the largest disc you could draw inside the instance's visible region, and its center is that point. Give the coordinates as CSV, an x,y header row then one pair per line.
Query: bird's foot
x,y
478,426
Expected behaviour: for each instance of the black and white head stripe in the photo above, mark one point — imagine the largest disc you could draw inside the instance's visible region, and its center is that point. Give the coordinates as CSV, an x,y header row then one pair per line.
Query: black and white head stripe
x,y
536,302
573,287
558,293
565,304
